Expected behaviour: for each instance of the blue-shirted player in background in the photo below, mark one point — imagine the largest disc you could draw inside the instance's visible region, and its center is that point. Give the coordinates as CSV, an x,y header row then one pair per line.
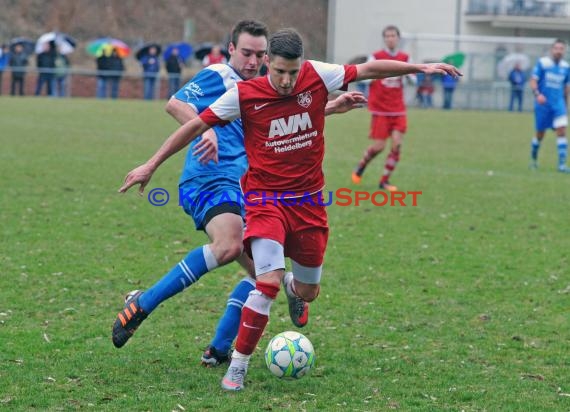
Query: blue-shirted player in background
x,y
550,86
216,214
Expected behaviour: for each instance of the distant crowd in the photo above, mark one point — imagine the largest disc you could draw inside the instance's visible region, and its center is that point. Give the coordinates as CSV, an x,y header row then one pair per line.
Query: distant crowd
x,y
53,66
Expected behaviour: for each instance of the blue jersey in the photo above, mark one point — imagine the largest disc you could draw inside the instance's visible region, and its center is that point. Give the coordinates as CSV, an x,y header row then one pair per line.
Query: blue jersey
x,y
552,80
201,91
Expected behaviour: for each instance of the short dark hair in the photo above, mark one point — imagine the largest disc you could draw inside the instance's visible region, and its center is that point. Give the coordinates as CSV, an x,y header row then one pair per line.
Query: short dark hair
x,y
391,28
286,43
253,27
561,41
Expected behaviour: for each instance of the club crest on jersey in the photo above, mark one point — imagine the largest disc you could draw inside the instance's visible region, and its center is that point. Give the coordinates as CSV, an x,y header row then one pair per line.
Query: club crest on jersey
x,y
304,99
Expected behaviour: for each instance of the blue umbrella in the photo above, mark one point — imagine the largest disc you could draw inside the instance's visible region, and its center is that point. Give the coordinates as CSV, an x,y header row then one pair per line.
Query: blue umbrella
x,y
184,50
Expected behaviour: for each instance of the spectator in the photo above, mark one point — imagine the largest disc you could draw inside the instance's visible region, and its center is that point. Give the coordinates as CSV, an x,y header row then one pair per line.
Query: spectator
x,y
362,87
214,57
425,90
60,75
517,78
173,68
4,56
18,62
45,62
102,67
116,68
151,66
448,82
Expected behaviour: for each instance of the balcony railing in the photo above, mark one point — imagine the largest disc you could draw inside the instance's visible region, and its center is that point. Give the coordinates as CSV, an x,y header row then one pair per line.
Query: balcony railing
x,y
527,8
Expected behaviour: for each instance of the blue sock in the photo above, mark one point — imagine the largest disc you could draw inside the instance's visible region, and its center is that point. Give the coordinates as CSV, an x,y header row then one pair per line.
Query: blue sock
x,y
562,145
228,324
198,262
534,146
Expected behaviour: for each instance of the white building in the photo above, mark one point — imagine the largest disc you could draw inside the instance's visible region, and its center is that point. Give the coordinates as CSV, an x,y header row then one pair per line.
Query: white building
x,y
485,30
355,26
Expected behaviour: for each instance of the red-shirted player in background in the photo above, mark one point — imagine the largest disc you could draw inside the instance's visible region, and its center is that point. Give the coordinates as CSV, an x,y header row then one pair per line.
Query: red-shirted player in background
x,y
386,104
283,120
214,57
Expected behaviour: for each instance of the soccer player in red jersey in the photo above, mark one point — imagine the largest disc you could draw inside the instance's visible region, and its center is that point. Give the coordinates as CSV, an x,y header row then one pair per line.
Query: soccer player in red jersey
x,y
386,104
283,120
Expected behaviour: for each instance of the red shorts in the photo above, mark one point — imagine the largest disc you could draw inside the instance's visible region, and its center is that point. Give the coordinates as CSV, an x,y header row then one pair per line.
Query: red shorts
x,y
381,127
301,229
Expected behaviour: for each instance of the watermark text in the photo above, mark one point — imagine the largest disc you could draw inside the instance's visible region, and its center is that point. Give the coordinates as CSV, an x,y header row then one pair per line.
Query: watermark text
x,y
340,197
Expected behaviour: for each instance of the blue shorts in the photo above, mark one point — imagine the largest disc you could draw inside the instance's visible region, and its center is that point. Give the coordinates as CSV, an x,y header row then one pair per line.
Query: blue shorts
x,y
548,116
210,193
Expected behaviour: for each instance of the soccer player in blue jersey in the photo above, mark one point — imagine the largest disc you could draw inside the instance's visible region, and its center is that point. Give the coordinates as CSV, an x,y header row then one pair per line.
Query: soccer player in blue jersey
x,y
550,84
216,214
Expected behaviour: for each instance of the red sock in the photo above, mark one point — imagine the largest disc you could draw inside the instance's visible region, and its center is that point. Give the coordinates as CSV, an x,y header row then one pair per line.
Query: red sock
x,y
391,162
369,154
250,330
254,317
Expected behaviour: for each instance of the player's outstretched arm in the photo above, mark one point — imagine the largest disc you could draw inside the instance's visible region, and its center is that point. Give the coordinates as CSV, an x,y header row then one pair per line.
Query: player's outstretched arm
x,y
180,111
379,69
345,102
183,113
176,142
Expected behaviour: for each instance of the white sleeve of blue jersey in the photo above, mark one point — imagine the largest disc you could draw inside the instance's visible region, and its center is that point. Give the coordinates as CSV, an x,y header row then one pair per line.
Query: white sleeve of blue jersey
x,y
227,106
204,89
332,74
538,71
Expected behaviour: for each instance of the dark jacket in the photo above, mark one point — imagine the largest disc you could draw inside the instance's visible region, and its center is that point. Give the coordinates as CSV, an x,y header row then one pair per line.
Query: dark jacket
x,y
46,60
173,64
18,63
102,65
115,64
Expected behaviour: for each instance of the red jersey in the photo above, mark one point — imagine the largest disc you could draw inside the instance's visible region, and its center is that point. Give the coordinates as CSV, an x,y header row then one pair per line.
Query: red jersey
x,y
386,96
212,59
284,138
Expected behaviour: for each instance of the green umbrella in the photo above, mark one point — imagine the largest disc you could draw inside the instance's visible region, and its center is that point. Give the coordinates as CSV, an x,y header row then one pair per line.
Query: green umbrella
x,y
456,59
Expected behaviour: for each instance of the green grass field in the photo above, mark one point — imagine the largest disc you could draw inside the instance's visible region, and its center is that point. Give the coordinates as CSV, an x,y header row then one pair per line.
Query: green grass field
x,y
460,303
